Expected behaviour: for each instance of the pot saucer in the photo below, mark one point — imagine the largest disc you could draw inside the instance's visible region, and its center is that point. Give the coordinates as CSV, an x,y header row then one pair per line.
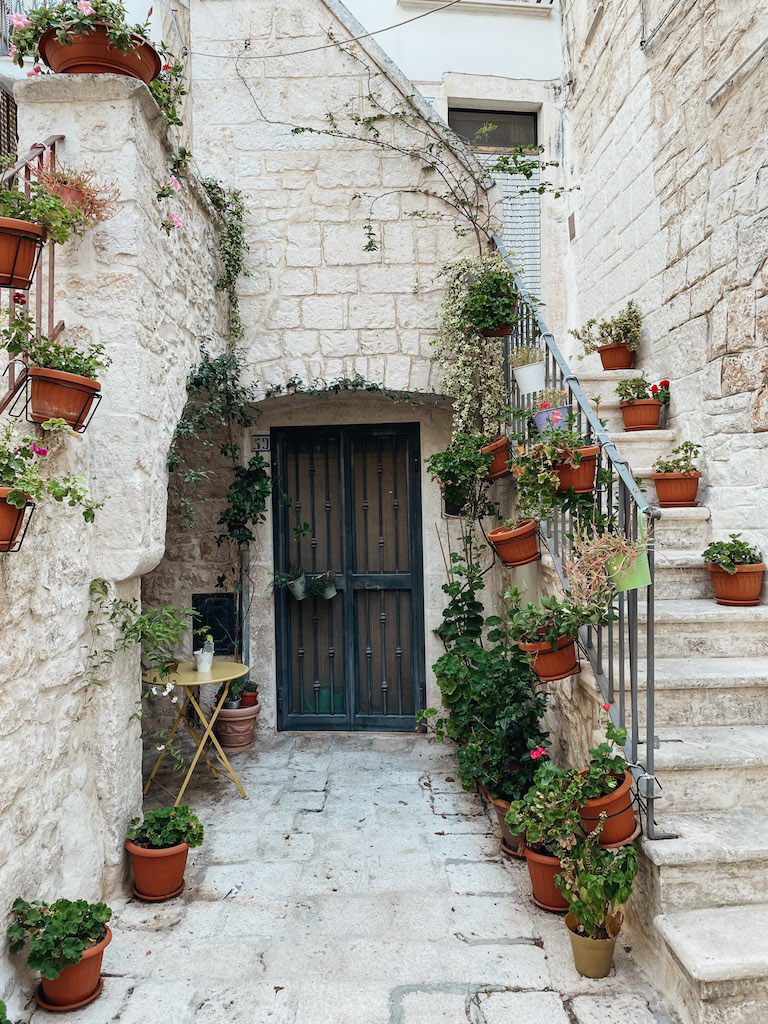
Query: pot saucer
x,y
509,852
553,910
624,842
71,1006
156,899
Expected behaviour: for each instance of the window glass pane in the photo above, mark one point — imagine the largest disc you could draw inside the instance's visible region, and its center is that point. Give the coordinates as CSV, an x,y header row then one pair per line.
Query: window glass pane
x,y
512,128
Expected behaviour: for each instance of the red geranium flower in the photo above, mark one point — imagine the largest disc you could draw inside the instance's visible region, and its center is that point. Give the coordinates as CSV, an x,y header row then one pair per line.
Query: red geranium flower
x,y
664,383
654,389
20,298
166,67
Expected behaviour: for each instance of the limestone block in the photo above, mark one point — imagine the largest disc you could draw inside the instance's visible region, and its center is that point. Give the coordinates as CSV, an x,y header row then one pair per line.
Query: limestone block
x,y
343,246
371,311
742,372
339,343
336,280
760,411
325,312
741,328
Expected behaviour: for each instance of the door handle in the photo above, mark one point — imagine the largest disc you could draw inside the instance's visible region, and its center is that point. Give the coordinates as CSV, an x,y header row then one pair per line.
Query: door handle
x,y
365,586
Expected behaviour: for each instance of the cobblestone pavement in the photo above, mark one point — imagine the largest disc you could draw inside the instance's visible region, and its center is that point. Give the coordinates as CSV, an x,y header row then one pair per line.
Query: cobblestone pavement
x,y
358,884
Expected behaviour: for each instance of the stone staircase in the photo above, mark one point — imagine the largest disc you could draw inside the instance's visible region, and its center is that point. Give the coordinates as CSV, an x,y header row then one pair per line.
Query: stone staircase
x,y
699,921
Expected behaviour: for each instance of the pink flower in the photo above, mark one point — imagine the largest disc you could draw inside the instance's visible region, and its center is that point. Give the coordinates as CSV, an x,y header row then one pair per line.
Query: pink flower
x,y
149,13
175,184
544,405
12,51
85,7
176,220
18,21
538,752
36,70
42,452
556,416
606,707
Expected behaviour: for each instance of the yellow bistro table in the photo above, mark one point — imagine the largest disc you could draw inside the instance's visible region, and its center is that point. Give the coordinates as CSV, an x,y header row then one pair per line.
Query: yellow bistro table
x,y
185,676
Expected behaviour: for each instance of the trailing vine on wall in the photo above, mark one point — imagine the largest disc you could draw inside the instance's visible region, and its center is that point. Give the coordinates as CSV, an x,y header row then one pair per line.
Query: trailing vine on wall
x,y
232,247
320,388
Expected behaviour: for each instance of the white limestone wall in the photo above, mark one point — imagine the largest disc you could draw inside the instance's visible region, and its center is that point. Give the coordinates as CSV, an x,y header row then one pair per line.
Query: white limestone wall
x,y
72,755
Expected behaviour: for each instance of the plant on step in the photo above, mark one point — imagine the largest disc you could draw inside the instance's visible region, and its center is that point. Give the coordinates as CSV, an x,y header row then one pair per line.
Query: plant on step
x,y
81,192
548,812
607,765
728,554
42,208
163,827
623,329
682,460
461,468
58,933
636,389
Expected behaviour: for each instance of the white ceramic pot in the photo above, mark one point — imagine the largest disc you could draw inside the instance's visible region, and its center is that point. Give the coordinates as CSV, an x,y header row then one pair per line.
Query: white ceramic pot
x,y
298,588
530,378
203,660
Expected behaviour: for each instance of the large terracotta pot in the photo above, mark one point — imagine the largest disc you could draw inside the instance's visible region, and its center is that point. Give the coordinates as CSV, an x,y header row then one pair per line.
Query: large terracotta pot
x,y
157,874
54,393
77,984
91,54
676,490
592,957
641,415
500,457
510,840
11,519
235,728
20,243
620,826
550,664
581,478
741,588
616,357
518,546
542,869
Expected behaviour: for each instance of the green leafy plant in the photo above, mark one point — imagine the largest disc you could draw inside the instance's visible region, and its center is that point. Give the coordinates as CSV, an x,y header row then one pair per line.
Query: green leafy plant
x,y
317,584
638,388
58,933
19,336
4,1013
42,208
727,554
282,579
682,460
606,769
548,813
461,468
597,884
490,301
232,246
170,85
164,827
623,329
554,618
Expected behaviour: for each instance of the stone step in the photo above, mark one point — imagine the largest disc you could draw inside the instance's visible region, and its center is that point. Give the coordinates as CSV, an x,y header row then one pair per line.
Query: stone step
x,y
718,859
681,575
683,529
641,448
700,628
710,768
716,971
602,383
707,691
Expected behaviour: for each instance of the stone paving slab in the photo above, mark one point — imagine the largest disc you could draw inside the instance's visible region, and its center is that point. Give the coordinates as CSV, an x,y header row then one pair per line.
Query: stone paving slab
x,y
358,884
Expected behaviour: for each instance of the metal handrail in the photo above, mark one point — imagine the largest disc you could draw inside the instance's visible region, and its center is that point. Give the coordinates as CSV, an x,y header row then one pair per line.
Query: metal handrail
x,y
606,647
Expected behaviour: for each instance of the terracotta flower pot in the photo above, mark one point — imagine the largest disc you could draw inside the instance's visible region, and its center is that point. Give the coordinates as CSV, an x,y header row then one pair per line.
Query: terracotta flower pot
x,y
641,415
157,874
235,728
542,869
510,840
592,957
549,664
518,546
620,826
582,478
11,519
676,490
249,699
500,457
616,357
20,244
79,983
92,54
71,197
54,393
741,588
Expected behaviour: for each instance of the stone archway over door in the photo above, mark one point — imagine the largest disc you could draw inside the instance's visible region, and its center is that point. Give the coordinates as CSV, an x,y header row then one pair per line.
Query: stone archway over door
x,y
355,661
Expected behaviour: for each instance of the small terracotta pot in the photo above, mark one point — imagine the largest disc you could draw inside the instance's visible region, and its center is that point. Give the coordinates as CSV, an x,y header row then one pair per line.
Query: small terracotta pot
x,y
235,728
77,984
741,588
549,664
582,478
616,357
513,841
91,54
518,546
676,490
500,458
11,519
71,197
542,869
591,957
641,415
20,243
620,826
249,699
157,874
54,393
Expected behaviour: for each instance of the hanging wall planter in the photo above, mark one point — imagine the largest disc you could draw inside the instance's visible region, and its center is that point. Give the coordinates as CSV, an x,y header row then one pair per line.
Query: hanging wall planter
x,y
298,587
620,826
20,245
542,869
580,478
545,419
630,572
530,377
54,394
91,53
616,356
518,545
498,467
550,664
11,519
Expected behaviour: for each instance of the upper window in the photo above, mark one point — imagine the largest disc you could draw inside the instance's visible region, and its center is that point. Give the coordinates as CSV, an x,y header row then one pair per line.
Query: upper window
x,y
511,128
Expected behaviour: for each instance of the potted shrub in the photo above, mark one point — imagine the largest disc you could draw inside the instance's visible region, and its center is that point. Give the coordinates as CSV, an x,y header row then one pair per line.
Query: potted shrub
x,y
158,847
67,940
62,381
236,722
25,223
529,368
249,698
550,409
490,299
86,37
548,817
323,585
596,883
21,480
462,469
295,580
204,655
566,453
641,402
736,569
80,191
615,340
607,792
676,478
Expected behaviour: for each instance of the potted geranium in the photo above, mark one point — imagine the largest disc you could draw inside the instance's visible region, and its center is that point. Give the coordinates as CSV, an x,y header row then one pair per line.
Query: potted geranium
x,y
21,481
614,340
608,791
158,846
62,381
85,37
528,368
67,940
550,409
25,223
236,721
676,478
596,883
548,817
736,569
462,469
641,402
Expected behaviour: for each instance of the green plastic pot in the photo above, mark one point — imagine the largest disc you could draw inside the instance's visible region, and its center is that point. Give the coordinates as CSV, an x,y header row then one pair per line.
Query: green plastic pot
x,y
630,573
